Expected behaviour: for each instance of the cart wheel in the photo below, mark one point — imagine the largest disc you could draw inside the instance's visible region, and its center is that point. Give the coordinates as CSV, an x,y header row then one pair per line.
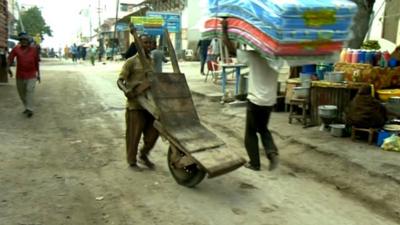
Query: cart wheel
x,y
188,176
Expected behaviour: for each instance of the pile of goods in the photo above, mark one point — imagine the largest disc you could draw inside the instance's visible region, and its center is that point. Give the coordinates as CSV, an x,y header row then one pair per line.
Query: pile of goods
x,y
289,29
372,57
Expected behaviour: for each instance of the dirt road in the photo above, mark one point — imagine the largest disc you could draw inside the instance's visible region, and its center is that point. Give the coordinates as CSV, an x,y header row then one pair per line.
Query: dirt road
x,y
66,165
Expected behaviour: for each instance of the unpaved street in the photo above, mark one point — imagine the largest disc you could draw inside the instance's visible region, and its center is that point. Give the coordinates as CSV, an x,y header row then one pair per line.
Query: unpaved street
x,y
66,166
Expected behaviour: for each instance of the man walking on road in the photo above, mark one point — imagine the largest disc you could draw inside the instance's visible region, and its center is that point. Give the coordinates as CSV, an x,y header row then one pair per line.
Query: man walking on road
x,y
157,55
202,48
92,54
138,120
262,92
27,71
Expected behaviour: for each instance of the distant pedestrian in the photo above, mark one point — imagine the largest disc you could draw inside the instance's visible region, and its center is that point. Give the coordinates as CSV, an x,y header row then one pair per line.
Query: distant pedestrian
x,y
92,54
66,52
82,52
202,48
74,52
157,54
100,52
27,71
59,52
214,50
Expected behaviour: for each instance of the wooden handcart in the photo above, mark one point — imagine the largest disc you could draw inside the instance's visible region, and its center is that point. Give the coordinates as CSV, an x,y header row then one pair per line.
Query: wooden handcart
x,y
194,150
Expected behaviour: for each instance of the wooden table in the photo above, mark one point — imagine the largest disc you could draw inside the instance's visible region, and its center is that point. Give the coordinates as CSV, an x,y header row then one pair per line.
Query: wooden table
x,y
328,93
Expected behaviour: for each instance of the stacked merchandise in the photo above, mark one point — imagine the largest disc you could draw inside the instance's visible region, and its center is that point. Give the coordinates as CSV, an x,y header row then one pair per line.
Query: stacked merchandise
x,y
3,24
298,31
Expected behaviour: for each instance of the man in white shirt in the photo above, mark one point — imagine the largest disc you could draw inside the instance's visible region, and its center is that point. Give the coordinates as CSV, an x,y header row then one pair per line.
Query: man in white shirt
x,y
214,50
262,93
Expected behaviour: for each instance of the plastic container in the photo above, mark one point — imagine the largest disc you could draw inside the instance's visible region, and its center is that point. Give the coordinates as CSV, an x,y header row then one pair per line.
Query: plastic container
x,y
355,56
369,57
337,76
301,92
382,135
337,130
328,76
383,63
322,69
377,58
310,69
327,111
392,63
362,56
305,79
343,55
385,94
349,56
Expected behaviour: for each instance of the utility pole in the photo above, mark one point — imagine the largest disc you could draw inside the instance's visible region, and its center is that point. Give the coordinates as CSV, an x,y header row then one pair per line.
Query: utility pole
x,y
90,22
99,38
20,19
115,31
99,12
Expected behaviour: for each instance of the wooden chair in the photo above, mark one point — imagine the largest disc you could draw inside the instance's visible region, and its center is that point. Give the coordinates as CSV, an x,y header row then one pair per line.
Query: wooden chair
x,y
214,68
371,133
300,103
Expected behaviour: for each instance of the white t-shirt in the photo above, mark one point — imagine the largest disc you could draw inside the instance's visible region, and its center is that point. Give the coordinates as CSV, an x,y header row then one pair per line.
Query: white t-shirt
x,y
262,81
214,46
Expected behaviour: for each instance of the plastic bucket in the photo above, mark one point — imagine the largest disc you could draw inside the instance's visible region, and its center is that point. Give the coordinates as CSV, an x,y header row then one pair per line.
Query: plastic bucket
x,y
382,135
301,92
309,69
305,80
337,130
337,76
327,111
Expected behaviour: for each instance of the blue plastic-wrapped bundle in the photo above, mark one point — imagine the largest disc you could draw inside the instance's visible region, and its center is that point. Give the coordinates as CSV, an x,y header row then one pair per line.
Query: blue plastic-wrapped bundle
x,y
292,20
285,35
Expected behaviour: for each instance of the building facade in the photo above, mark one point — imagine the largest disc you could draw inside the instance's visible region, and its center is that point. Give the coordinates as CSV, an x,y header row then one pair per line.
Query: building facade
x,y
3,40
391,21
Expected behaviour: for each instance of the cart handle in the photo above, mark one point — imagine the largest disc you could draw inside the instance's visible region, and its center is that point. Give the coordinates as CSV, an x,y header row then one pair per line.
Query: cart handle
x,y
172,54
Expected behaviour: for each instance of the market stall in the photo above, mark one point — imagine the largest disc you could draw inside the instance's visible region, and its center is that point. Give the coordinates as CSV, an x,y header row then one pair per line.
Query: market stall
x,y
332,93
381,78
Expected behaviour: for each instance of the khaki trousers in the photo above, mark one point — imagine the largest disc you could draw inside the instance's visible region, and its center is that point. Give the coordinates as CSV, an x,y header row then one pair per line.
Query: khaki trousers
x,y
25,89
139,122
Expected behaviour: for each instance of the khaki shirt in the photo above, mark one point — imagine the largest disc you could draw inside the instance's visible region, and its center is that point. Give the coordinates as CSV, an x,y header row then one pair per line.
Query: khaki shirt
x,y
132,73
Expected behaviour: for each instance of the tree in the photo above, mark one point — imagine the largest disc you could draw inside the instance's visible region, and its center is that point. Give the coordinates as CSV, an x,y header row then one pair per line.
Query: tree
x,y
34,23
361,22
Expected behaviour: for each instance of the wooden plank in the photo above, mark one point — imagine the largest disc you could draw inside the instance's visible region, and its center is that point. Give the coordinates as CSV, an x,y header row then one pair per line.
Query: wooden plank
x,y
195,138
147,102
218,161
190,140
172,54
215,161
171,105
167,85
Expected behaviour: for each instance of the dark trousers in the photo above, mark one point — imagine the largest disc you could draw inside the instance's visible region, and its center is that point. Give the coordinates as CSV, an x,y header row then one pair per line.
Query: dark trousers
x,y
257,118
203,59
139,122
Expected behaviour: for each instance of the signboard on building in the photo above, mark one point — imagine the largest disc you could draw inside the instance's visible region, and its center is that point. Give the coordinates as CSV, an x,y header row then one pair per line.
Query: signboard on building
x,y
148,25
172,21
122,27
